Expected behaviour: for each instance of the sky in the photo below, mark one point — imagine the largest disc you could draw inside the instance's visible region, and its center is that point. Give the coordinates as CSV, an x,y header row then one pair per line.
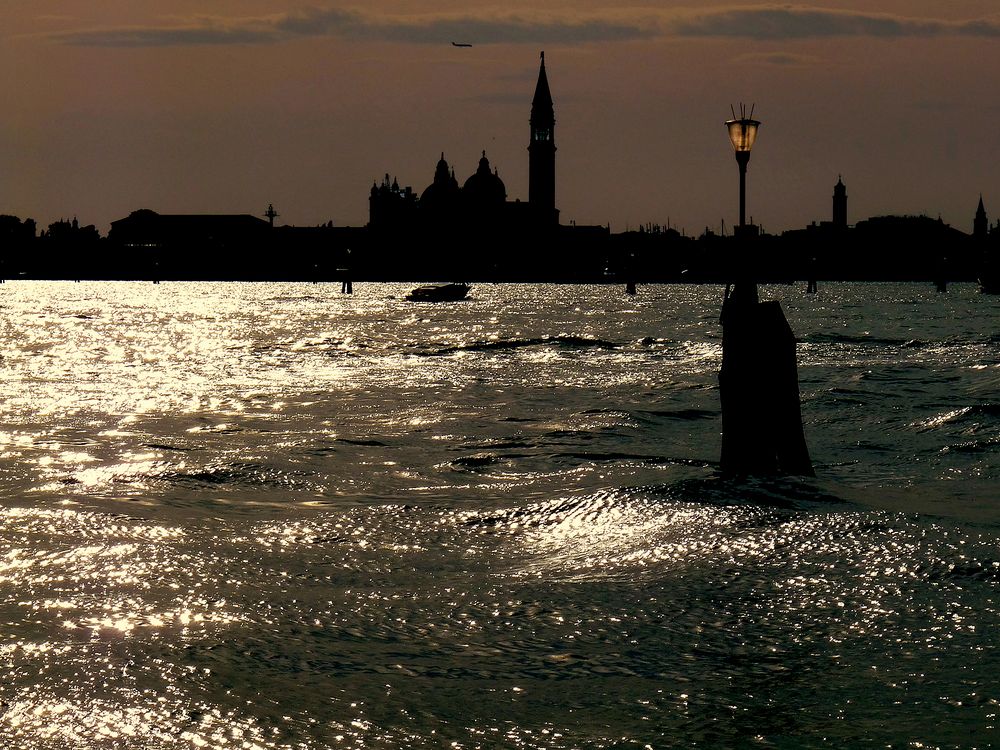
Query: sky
x,y
226,106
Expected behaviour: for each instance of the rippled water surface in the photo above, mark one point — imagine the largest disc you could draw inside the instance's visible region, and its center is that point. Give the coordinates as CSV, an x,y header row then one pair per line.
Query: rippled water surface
x,y
273,516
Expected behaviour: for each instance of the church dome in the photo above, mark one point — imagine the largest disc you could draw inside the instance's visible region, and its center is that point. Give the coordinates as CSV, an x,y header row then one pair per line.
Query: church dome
x,y
485,187
443,190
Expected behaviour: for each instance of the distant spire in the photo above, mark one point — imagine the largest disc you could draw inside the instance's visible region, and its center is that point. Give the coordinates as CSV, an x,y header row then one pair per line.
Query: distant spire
x,y
981,224
271,214
541,103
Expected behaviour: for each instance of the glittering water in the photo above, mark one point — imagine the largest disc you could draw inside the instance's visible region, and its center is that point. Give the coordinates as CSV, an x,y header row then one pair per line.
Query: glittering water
x,y
272,516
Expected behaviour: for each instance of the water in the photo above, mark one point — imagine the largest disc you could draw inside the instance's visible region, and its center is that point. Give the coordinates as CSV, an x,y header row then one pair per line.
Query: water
x,y
272,516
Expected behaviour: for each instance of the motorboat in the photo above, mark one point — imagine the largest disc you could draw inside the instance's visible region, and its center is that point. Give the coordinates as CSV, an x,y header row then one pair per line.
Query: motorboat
x,y
439,293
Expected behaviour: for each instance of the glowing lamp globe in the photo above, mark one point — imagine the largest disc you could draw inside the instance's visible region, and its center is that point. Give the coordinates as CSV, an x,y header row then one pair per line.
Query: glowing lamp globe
x,y
743,133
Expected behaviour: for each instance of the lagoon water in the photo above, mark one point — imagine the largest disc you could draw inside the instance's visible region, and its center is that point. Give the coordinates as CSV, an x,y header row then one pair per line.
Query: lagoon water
x,y
273,516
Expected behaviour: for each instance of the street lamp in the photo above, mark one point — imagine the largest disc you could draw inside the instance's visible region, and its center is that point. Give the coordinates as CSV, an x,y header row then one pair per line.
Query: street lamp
x,y
743,133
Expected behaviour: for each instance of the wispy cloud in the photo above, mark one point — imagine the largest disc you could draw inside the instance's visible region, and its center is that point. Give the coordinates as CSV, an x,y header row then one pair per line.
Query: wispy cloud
x,y
166,36
765,22
781,59
484,28
789,22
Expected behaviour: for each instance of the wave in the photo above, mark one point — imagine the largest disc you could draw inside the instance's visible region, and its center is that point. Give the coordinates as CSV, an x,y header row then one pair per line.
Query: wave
x,y
282,298
491,445
786,492
562,341
611,456
975,570
844,338
989,410
849,396
166,447
973,446
683,414
642,520
365,443
962,415
245,474
478,461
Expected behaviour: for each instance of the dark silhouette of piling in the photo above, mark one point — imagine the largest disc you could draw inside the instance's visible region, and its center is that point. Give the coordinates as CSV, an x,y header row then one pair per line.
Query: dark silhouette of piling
x,y
811,286
941,277
346,287
759,389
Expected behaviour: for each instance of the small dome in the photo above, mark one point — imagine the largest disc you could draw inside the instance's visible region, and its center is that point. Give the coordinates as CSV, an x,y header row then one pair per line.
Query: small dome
x,y
485,187
444,189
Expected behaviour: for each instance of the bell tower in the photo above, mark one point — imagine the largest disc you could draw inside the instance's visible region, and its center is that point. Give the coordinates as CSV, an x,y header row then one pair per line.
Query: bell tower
x,y
980,225
542,153
840,204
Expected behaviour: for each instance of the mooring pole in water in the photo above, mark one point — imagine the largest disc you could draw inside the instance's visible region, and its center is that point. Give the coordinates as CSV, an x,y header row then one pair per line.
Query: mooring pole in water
x,y
759,389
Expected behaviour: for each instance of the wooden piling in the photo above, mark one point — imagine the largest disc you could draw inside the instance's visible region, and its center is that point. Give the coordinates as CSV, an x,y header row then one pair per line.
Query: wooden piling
x,y
759,389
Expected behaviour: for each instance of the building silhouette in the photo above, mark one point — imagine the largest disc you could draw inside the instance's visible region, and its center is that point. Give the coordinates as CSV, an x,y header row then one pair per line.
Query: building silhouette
x,y
471,230
149,245
390,205
987,244
840,204
446,208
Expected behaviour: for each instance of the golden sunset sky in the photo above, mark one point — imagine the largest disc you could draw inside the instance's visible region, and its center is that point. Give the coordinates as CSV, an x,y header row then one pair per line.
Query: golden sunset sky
x,y
223,107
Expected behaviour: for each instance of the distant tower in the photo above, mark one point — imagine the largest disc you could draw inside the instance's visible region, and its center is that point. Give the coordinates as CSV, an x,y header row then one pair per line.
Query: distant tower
x,y
840,204
271,214
980,226
542,152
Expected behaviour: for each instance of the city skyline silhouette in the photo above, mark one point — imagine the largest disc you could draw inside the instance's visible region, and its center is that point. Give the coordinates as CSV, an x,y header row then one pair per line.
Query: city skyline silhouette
x,y
115,109
475,231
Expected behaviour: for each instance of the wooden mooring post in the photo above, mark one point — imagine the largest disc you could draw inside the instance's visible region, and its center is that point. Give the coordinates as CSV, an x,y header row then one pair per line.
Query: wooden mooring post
x,y
759,389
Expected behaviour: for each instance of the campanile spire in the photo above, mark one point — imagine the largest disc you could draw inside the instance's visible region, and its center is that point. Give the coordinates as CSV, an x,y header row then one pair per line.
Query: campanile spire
x,y
542,151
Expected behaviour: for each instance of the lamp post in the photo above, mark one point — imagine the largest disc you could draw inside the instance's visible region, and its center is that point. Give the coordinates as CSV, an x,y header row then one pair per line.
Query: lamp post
x,y
743,133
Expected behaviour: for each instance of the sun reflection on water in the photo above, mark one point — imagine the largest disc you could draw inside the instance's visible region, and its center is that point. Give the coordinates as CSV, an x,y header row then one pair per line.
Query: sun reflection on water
x,y
268,516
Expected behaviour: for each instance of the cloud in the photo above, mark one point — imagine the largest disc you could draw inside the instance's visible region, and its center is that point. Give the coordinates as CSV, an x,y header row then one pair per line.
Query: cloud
x,y
765,22
782,59
789,22
167,36
485,28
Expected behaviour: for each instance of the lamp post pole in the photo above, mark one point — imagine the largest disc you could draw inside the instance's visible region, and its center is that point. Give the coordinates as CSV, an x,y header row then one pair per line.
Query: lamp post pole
x,y
743,158
742,134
